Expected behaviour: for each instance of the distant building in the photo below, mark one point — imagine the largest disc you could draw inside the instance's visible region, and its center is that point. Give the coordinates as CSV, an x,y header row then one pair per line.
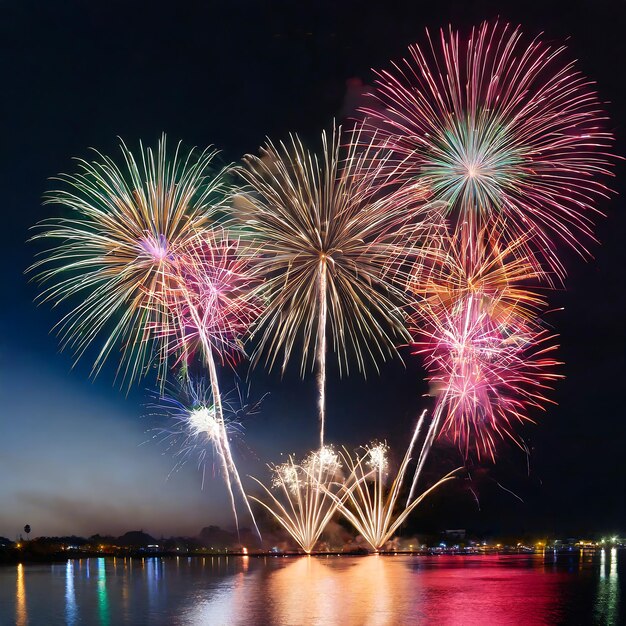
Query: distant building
x,y
457,534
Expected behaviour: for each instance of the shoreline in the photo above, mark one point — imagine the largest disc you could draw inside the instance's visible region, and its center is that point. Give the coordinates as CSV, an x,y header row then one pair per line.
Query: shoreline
x,y
17,557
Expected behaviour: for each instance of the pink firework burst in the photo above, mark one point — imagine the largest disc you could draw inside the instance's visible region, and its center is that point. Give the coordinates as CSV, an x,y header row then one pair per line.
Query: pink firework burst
x,y
210,298
497,127
486,373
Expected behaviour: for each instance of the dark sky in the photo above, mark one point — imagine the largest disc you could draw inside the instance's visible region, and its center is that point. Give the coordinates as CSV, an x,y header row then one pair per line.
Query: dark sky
x,y
78,74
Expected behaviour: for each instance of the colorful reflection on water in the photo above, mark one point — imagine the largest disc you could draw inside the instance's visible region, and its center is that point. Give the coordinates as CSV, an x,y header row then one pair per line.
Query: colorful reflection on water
x,y
71,610
577,588
607,602
21,615
103,600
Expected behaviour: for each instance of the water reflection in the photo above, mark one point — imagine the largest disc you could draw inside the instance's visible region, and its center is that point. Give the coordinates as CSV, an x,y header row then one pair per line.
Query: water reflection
x,y
103,600
71,611
607,600
380,590
351,591
234,596
21,615
329,591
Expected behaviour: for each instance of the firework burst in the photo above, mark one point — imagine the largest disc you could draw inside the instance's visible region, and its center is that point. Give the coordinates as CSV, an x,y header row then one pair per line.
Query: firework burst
x,y
210,299
125,228
304,504
191,428
329,229
486,373
198,426
496,274
497,127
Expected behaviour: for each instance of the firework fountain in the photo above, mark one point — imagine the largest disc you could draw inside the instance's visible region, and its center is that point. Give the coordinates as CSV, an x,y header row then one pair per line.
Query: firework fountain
x,y
366,501
304,504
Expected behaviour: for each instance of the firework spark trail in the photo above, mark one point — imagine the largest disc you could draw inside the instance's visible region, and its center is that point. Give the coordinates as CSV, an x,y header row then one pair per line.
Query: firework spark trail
x,y
127,226
211,306
497,127
307,504
365,501
327,238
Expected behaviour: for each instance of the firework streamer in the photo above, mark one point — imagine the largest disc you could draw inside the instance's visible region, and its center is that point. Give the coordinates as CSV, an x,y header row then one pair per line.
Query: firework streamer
x,y
328,232
497,273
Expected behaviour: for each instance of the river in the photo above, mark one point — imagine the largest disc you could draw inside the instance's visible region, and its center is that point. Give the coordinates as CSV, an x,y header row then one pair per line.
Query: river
x,y
574,588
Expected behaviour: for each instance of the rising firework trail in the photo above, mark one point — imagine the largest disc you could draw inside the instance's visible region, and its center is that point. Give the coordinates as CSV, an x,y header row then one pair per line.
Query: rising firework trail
x,y
497,127
328,230
211,306
304,504
366,500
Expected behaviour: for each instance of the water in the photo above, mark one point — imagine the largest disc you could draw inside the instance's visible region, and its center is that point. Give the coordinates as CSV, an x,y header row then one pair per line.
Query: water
x,y
348,591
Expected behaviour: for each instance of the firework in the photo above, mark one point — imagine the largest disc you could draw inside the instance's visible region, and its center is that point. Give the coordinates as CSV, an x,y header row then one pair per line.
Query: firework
x,y
329,229
210,299
191,428
304,504
126,226
478,325
499,128
156,270
486,373
366,500
198,425
211,307
497,274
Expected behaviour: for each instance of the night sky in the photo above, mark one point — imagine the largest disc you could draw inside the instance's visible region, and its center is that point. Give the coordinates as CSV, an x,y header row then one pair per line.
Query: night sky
x,y
79,74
